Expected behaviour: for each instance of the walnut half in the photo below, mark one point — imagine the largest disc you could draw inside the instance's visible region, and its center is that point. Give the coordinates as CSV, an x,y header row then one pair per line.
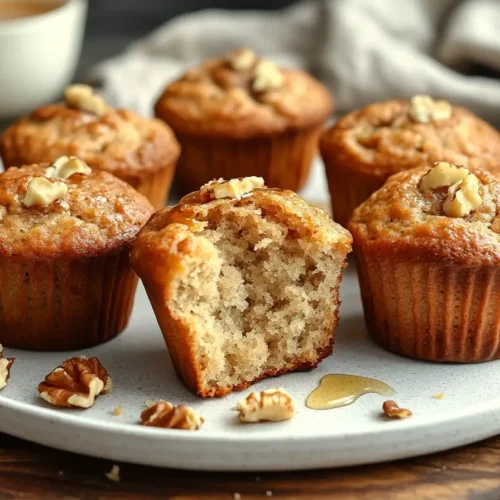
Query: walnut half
x,y
83,97
64,167
168,416
5,365
234,188
424,108
272,405
392,410
76,383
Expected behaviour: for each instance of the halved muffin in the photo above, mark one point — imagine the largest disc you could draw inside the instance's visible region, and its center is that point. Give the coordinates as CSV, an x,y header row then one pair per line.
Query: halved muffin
x,y
244,281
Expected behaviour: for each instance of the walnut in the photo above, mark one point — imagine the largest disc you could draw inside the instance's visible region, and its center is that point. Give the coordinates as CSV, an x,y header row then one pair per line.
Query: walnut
x,y
392,410
5,366
76,383
234,188
273,405
83,97
424,108
267,76
442,174
168,416
439,395
463,188
463,197
65,167
42,191
114,474
242,59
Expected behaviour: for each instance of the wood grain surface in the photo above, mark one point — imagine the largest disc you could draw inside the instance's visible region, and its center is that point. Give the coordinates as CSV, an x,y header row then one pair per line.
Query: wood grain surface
x,y
30,471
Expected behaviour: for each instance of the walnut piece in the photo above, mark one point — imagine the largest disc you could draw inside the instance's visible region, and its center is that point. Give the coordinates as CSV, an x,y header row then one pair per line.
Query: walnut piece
x,y
42,191
168,416
242,59
5,366
392,410
76,383
114,474
439,395
463,188
442,174
267,76
234,188
83,97
64,167
463,197
272,405
424,108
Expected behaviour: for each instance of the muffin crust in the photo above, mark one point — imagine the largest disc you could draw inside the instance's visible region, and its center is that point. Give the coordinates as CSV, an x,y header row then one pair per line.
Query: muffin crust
x,y
250,98
401,217
383,139
119,141
97,213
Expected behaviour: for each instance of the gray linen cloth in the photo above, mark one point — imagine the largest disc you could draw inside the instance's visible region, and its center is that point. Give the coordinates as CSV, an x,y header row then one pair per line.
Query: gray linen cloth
x,y
364,50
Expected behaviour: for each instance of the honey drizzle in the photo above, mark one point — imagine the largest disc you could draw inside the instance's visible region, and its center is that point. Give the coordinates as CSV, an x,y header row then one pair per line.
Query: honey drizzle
x,y
337,389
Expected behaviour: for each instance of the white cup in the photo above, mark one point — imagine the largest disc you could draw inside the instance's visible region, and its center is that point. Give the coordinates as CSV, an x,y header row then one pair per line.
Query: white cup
x,y
38,56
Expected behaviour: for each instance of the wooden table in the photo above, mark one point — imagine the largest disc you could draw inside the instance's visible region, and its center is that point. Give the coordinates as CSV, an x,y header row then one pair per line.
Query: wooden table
x,y
30,471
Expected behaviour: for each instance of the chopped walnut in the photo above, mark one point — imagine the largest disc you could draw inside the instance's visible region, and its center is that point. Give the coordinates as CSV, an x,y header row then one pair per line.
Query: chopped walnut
x,y
463,188
117,411
234,188
242,59
463,197
267,76
439,395
42,191
442,174
392,410
424,108
168,416
65,167
272,405
83,97
76,383
114,474
5,366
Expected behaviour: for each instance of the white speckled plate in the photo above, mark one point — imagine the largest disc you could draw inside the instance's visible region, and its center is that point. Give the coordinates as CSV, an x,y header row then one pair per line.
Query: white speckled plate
x,y
140,366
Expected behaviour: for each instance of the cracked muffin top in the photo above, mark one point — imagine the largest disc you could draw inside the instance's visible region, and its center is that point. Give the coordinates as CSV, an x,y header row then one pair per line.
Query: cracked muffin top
x,y
243,95
65,209
115,140
445,213
385,138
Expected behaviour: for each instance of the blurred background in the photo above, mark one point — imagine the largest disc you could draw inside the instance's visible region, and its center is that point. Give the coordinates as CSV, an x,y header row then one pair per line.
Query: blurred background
x,y
113,24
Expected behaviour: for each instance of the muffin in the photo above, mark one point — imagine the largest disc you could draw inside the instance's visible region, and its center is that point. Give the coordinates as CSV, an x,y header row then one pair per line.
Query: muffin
x,y
367,146
244,282
241,116
65,237
142,152
427,245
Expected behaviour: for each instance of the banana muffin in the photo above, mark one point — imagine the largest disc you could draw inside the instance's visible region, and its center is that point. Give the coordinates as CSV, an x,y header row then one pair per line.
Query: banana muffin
x,y
65,237
367,146
244,281
141,151
427,246
241,115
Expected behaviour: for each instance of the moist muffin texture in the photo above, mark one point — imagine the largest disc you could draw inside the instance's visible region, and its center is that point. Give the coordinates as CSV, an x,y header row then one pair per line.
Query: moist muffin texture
x,y
65,277
243,288
366,146
231,122
141,151
430,283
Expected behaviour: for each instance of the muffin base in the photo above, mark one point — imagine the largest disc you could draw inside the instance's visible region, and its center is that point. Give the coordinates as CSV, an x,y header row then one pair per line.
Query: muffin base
x,y
284,161
348,189
65,304
431,311
155,187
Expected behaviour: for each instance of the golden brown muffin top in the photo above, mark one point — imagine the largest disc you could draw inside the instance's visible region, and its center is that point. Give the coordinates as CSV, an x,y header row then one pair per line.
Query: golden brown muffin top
x,y
243,96
391,136
115,140
408,215
171,232
83,215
